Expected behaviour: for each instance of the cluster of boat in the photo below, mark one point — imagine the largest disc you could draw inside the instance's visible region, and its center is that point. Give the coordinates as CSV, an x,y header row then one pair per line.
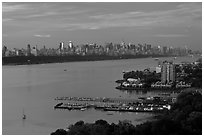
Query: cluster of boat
x,y
82,99
141,108
97,99
145,105
72,106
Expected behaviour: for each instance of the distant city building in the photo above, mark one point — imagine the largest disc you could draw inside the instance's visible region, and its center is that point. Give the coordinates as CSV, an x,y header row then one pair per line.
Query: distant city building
x,y
4,51
61,46
167,72
70,44
110,49
164,50
34,51
28,50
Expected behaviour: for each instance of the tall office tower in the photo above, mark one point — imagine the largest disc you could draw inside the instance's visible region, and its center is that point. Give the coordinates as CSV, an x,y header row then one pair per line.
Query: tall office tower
x,y
28,50
167,72
61,46
70,44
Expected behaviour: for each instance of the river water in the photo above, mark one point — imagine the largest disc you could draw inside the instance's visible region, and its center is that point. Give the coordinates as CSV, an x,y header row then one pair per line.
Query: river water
x,y
32,89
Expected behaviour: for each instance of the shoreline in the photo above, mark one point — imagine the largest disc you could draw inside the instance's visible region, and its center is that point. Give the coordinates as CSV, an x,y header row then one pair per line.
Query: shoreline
x,y
29,60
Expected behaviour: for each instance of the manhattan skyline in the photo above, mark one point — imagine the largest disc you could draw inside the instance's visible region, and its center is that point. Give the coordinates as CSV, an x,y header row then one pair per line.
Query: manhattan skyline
x,y
165,24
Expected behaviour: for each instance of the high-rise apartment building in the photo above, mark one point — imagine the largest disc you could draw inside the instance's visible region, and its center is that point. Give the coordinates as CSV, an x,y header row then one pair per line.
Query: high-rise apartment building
x,y
167,72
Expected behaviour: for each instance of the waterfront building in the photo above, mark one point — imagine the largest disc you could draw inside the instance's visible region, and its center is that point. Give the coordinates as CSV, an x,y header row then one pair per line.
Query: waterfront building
x,y
167,72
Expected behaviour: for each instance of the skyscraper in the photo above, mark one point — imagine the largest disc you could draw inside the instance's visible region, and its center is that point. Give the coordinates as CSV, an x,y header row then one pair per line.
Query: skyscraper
x,y
70,44
167,72
61,46
28,50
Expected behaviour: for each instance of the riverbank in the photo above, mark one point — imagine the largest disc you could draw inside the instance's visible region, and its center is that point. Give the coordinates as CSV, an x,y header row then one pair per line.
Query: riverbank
x,y
28,60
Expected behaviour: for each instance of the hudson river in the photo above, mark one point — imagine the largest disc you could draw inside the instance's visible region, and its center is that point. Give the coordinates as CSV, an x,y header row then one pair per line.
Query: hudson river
x,y
33,88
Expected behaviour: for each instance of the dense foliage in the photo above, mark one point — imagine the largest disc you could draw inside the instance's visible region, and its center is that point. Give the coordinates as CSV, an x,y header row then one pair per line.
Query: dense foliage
x,y
185,117
193,73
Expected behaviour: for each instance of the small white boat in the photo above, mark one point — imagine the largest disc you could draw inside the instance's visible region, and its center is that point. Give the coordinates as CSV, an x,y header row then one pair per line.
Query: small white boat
x,y
24,116
83,109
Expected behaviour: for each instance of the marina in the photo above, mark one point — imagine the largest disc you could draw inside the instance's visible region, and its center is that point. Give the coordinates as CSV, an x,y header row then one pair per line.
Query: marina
x,y
97,99
149,104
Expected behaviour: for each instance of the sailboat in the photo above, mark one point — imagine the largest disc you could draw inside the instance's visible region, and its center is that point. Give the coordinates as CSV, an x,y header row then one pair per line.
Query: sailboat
x,y
24,116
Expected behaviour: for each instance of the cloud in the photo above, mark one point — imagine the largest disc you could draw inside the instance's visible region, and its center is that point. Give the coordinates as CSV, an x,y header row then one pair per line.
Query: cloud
x,y
52,13
4,35
35,10
6,19
182,9
69,17
42,36
117,16
182,14
12,8
170,35
40,15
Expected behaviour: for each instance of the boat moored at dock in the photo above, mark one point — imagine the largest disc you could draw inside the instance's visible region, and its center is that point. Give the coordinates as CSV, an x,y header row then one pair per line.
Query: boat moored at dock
x,y
148,104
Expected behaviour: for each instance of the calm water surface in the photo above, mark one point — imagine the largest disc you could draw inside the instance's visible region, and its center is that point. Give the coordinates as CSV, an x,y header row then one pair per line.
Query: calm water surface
x,y
33,89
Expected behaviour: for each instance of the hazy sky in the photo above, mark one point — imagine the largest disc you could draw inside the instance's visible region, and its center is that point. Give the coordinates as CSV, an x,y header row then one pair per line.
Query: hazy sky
x,y
165,24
